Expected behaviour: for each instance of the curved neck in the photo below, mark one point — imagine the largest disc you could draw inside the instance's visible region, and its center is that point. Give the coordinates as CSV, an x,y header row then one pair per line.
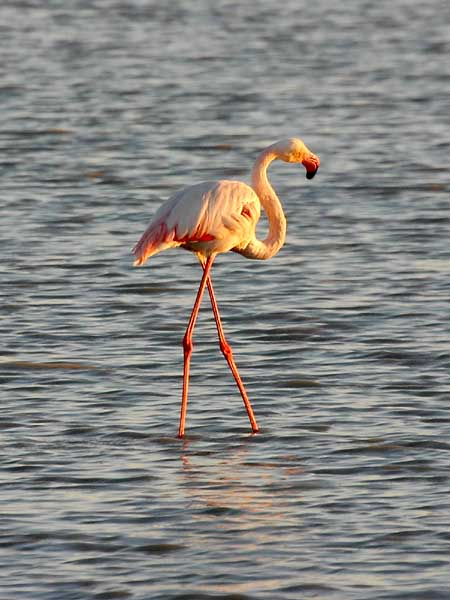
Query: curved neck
x,y
262,249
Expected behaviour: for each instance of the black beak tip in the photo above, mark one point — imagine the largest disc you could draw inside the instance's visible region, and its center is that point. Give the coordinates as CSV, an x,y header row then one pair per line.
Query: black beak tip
x,y
310,174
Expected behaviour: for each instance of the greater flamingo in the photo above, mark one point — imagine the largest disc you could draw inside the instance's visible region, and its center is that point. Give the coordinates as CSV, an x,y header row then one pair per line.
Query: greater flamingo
x,y
218,216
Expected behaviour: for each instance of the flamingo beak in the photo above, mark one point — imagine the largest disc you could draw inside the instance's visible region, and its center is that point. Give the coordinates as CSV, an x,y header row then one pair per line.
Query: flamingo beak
x,y
311,164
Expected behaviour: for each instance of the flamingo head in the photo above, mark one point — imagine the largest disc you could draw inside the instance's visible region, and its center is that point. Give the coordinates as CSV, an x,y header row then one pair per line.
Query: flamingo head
x,y
294,150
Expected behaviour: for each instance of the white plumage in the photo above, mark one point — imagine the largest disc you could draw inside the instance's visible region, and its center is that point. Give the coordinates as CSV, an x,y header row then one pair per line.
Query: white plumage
x,y
210,216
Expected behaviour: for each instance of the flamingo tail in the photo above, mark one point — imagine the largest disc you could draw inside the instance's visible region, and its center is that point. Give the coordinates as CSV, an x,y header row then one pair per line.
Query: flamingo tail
x,y
153,240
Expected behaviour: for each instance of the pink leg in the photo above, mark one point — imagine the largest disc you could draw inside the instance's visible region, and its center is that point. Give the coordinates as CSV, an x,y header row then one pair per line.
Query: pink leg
x,y
228,353
188,345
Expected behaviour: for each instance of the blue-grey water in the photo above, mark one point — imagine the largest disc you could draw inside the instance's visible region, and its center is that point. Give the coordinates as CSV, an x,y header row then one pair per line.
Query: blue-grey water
x,y
343,339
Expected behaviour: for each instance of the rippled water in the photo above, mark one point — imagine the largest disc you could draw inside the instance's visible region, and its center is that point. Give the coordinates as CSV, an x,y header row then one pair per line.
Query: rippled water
x,y
107,107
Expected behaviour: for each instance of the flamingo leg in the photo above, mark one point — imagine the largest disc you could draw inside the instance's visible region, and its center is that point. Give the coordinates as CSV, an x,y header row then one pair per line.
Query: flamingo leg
x,y
227,352
188,345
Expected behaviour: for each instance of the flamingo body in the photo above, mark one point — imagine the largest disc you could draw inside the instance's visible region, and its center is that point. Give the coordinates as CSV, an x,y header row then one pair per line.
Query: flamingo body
x,y
217,216
206,218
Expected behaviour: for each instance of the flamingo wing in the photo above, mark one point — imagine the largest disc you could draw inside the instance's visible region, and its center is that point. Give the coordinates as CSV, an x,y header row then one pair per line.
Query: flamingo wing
x,y
207,218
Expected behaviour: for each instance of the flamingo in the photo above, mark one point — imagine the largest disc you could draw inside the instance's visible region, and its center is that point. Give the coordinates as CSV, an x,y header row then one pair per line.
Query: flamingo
x,y
217,216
